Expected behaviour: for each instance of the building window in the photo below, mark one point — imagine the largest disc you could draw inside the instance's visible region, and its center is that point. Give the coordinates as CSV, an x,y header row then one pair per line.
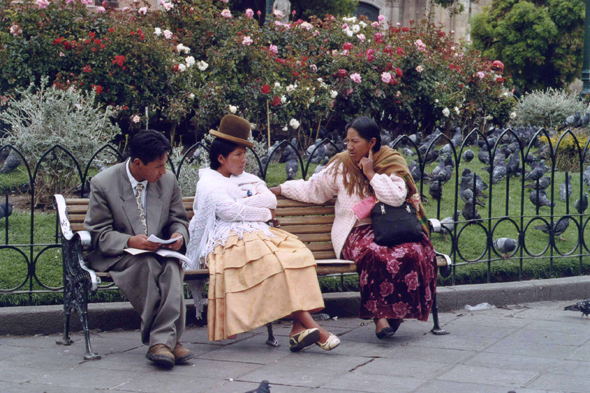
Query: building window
x,y
367,10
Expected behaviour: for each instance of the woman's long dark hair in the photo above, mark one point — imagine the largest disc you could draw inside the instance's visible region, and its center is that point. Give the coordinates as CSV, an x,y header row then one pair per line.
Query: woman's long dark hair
x,y
367,129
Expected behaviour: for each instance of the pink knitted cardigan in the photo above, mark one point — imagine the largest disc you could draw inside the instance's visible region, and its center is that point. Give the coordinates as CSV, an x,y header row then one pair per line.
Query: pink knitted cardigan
x,y
322,186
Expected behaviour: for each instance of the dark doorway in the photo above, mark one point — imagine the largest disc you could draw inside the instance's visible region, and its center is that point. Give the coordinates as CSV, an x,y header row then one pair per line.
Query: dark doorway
x,y
368,10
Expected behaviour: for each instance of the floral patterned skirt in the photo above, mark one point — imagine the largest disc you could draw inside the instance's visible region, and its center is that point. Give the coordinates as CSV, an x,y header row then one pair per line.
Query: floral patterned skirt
x,y
396,282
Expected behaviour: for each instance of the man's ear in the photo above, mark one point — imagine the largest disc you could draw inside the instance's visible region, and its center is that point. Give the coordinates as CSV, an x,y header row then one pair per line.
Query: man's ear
x,y
136,162
221,159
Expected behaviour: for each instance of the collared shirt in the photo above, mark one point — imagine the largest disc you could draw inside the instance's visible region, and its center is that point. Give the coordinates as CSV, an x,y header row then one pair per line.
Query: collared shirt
x,y
134,183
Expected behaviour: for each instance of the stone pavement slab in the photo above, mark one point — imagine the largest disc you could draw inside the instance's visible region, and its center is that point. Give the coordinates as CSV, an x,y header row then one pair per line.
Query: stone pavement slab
x,y
528,348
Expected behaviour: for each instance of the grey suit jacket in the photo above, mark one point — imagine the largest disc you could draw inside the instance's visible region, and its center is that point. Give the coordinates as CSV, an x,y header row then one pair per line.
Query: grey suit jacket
x,y
113,216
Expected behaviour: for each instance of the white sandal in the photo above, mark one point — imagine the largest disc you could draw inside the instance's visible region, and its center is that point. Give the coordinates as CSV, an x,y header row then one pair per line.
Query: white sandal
x,y
331,343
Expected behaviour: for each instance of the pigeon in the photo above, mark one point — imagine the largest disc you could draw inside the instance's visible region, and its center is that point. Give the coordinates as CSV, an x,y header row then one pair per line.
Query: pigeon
x,y
498,174
542,183
513,166
586,176
416,138
431,157
321,167
466,190
288,152
505,246
6,209
581,306
469,212
585,120
292,167
537,172
407,152
196,155
562,188
416,173
447,224
539,198
330,150
263,388
447,150
274,156
11,163
457,138
559,227
581,204
468,155
435,189
484,155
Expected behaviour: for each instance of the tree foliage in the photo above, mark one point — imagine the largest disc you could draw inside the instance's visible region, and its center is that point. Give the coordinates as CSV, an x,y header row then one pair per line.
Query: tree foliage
x,y
540,42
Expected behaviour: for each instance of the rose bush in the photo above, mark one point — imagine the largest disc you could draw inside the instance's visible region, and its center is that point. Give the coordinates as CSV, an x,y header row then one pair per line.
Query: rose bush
x,y
192,61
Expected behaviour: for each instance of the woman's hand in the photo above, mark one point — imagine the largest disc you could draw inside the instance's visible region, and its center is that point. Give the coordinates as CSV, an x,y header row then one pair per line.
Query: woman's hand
x,y
366,164
276,190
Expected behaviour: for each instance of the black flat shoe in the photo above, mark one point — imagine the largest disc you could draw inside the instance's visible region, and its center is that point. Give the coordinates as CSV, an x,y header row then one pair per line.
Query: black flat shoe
x,y
385,333
395,323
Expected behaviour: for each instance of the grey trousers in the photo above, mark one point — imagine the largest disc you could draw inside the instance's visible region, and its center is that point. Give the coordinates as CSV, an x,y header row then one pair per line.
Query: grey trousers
x,y
153,286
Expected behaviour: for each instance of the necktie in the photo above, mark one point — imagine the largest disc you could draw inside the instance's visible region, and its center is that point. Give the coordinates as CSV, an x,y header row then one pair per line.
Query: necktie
x,y
138,197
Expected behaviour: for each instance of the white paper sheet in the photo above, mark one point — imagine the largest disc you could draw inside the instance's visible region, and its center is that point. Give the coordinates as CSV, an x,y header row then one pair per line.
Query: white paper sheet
x,y
156,239
162,252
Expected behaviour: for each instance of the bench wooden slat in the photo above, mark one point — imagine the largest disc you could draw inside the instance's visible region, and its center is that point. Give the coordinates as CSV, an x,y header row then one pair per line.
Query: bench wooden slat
x,y
306,220
320,246
284,203
304,211
315,237
296,229
324,255
336,269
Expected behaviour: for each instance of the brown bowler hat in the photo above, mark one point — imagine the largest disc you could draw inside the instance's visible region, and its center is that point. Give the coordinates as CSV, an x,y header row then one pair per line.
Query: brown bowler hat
x,y
234,129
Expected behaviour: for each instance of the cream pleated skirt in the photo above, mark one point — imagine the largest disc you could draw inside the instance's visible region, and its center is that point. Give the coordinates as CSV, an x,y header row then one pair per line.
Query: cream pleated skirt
x,y
257,280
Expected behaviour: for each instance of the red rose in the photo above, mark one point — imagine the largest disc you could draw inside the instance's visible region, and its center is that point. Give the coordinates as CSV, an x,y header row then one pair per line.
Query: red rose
x,y
97,42
67,45
111,30
87,69
451,66
499,80
276,101
405,29
342,73
389,66
296,74
378,37
94,49
92,34
119,60
132,33
399,72
97,88
265,89
58,41
460,85
400,51
347,46
396,29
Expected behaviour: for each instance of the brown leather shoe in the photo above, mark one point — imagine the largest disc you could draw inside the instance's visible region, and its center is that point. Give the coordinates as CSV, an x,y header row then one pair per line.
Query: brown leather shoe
x,y
161,355
181,354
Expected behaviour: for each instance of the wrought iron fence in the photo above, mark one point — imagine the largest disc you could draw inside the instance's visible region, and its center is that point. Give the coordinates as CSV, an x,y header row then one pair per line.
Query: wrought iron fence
x,y
507,214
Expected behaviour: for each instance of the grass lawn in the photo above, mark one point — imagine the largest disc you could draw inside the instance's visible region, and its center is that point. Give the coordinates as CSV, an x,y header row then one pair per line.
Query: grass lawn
x,y
472,252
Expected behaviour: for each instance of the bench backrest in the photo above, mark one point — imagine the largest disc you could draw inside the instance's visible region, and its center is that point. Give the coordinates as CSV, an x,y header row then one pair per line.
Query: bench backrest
x,y
311,223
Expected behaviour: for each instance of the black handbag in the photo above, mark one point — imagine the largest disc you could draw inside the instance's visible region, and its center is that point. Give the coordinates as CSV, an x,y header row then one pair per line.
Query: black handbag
x,y
395,225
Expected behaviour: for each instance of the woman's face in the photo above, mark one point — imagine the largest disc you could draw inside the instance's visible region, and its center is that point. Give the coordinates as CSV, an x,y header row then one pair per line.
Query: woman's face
x,y
357,146
234,163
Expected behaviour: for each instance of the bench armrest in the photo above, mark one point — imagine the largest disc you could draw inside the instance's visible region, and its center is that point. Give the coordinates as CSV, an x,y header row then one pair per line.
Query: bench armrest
x,y
74,267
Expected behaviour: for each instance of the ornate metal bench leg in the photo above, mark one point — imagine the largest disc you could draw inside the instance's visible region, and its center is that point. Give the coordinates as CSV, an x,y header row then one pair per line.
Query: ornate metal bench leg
x,y
65,340
436,329
82,306
272,341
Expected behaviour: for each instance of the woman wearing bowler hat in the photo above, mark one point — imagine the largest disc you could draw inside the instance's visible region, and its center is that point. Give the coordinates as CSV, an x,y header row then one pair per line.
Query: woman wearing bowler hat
x,y
257,272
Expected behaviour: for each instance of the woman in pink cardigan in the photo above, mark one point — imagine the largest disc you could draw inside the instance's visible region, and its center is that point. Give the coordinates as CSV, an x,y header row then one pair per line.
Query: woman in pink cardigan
x,y
396,282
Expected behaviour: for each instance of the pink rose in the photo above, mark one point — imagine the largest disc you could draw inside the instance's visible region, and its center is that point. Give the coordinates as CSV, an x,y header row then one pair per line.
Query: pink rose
x,y
168,6
316,33
278,14
386,77
345,52
122,9
420,45
363,278
278,23
43,3
86,2
273,49
224,1
381,18
226,13
361,37
100,10
420,69
481,75
249,13
400,309
168,34
371,305
386,288
313,68
344,26
356,77
247,40
393,267
375,24
142,10
411,280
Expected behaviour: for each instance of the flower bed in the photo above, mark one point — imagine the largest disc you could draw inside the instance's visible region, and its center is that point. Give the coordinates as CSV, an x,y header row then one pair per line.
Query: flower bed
x,y
194,61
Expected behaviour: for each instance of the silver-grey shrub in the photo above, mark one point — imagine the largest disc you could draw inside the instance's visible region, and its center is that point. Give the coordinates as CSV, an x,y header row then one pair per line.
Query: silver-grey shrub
x,y
547,108
43,117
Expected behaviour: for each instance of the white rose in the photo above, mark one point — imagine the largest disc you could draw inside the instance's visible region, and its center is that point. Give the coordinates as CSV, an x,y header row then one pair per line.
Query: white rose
x,y
363,24
135,119
294,123
356,28
233,108
290,88
277,84
191,96
457,111
513,115
158,31
286,128
190,61
349,33
201,65
333,94
182,67
489,117
446,112
283,99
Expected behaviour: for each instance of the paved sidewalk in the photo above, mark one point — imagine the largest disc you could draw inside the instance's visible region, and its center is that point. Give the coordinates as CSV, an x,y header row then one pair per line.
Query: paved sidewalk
x,y
531,348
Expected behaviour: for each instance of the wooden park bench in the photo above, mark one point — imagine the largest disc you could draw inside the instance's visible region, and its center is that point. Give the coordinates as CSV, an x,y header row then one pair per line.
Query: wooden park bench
x,y
311,223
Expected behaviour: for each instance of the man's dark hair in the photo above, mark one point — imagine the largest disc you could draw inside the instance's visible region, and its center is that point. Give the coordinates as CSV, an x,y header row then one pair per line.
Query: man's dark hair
x,y
367,129
220,146
148,146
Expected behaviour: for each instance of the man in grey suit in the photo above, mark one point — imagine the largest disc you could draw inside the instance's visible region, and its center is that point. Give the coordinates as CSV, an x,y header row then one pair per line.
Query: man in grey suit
x,y
128,202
